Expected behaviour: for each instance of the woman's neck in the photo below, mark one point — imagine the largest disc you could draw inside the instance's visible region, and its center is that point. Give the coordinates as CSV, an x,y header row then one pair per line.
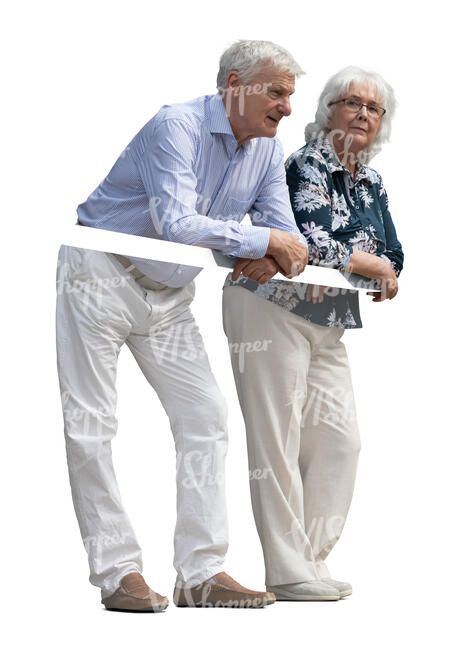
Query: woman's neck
x,y
346,157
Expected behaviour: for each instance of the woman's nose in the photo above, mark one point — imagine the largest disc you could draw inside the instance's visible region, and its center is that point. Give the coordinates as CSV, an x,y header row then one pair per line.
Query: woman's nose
x,y
363,114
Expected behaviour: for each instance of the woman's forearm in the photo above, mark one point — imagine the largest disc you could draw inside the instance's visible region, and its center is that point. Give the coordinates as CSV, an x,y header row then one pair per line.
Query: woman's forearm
x,y
368,265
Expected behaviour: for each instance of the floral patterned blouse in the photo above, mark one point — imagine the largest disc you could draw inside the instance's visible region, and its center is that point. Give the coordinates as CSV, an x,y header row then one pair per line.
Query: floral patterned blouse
x,y
336,213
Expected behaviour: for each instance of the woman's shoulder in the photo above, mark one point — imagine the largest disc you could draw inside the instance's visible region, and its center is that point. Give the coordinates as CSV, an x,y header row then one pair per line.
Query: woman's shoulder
x,y
307,154
308,164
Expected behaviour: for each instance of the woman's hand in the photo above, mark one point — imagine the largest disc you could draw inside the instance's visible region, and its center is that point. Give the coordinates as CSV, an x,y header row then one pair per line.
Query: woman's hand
x,y
260,270
388,283
315,293
373,266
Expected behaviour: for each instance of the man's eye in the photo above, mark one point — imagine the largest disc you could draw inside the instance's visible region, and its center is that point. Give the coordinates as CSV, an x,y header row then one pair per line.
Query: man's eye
x,y
274,93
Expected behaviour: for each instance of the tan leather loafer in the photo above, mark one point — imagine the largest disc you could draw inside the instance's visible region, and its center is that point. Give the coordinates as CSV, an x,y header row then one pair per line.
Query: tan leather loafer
x,y
221,591
134,595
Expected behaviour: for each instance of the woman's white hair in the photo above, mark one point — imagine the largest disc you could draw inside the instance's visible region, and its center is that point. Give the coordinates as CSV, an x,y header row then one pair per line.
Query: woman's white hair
x,y
335,88
246,57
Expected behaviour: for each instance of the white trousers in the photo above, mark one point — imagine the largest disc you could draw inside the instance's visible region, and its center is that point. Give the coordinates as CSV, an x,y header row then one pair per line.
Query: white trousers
x,y
294,387
100,307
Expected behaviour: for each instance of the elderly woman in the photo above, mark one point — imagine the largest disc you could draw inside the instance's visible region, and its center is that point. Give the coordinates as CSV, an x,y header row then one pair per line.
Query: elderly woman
x,y
295,391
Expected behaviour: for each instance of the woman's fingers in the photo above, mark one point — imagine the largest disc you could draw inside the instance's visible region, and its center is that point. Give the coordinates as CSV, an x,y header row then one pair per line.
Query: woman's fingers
x,y
378,296
315,293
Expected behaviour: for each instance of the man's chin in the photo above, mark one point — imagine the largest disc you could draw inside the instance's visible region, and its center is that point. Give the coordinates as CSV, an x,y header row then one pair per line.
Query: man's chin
x,y
269,129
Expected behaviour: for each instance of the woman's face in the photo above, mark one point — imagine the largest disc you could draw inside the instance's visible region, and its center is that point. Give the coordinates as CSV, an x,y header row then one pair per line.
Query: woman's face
x,y
354,131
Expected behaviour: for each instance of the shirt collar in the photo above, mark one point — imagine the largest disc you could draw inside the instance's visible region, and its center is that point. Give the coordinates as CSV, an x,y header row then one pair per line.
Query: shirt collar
x,y
220,123
363,175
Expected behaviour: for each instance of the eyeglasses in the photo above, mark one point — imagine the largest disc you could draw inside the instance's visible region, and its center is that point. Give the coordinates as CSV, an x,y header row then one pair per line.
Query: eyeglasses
x,y
354,105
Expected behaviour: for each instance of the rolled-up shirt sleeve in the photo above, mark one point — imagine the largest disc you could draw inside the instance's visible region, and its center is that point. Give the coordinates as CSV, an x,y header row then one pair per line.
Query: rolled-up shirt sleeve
x,y
311,206
393,253
167,172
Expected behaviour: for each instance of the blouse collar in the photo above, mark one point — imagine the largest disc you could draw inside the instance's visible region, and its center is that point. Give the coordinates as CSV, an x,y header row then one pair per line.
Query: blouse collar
x,y
323,145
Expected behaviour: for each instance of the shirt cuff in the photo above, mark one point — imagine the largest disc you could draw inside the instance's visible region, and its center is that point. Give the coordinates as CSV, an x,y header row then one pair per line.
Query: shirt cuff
x,y
391,263
255,242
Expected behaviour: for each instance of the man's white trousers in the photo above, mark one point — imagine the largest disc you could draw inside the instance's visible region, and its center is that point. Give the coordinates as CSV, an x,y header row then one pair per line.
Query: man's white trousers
x,y
294,387
100,307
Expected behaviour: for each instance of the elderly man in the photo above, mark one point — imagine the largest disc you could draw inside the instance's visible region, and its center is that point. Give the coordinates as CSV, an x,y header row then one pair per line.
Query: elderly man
x,y
190,175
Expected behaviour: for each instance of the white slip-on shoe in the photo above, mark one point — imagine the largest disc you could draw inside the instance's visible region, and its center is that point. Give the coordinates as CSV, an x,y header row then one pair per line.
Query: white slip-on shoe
x,y
310,590
344,588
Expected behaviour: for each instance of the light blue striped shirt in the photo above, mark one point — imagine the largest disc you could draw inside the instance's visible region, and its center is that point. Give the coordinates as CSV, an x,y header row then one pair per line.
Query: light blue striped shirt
x,y
183,179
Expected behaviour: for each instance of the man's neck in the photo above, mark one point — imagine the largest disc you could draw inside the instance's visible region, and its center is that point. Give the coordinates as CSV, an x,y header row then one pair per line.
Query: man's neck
x,y
241,136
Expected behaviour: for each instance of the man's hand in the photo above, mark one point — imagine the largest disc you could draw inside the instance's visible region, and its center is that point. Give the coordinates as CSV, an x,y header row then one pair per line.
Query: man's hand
x,y
315,293
260,270
288,251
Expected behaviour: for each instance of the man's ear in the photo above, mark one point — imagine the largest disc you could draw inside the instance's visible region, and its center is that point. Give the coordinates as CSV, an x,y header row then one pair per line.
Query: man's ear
x,y
233,81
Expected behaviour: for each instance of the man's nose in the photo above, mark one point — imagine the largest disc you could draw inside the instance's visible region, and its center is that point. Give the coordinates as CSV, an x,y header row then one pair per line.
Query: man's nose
x,y
285,107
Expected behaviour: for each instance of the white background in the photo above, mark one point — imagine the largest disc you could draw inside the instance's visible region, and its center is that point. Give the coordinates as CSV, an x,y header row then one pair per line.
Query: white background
x,y
80,79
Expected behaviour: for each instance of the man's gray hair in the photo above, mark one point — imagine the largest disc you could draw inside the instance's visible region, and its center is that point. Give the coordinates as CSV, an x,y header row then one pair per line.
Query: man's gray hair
x,y
246,57
336,87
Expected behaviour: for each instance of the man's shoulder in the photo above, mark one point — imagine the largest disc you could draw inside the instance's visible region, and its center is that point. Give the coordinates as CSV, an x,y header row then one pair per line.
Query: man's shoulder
x,y
191,114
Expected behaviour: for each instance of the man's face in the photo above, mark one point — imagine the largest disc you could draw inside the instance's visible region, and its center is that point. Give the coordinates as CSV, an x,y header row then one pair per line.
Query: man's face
x,y
257,108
